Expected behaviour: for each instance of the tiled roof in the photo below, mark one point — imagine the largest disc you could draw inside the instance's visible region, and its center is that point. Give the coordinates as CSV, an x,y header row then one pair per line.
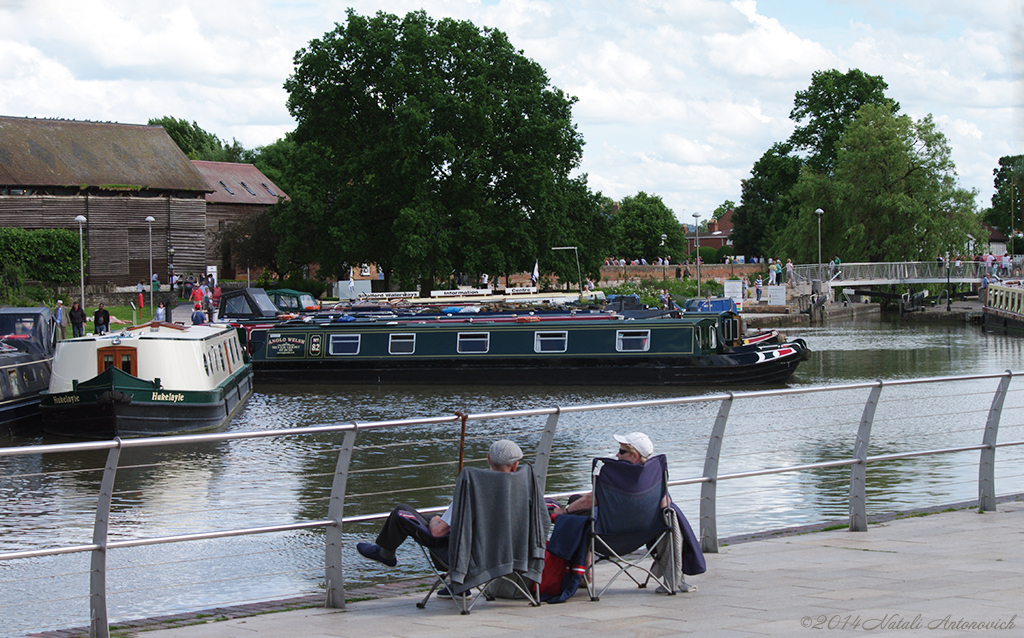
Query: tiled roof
x,y
42,152
238,183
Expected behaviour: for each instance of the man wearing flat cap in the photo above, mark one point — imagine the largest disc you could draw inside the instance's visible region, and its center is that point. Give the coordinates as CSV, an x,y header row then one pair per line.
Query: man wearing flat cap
x,y
404,521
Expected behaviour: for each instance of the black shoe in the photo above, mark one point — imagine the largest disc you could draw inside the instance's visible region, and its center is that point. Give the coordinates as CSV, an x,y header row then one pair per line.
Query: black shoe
x,y
372,551
446,593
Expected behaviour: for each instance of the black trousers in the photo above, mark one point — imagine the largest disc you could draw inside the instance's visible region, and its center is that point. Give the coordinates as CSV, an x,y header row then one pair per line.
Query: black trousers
x,y
405,522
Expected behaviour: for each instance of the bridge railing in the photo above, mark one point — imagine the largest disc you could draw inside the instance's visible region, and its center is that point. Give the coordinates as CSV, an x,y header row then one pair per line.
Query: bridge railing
x,y
892,272
854,435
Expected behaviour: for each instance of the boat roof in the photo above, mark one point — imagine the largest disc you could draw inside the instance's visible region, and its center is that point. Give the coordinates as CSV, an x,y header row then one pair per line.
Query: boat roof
x,y
161,330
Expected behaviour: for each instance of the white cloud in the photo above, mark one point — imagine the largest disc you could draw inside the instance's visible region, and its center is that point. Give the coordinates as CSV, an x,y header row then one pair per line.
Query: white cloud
x,y
678,99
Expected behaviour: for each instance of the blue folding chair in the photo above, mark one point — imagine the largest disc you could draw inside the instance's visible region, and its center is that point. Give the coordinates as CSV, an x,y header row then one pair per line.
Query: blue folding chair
x,y
628,514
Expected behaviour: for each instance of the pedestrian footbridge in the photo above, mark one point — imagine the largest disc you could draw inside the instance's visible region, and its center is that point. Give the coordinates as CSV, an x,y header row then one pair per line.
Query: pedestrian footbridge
x,y
854,275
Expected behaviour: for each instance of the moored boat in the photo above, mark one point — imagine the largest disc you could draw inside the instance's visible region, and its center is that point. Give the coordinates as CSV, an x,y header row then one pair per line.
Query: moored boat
x,y
704,349
26,353
156,378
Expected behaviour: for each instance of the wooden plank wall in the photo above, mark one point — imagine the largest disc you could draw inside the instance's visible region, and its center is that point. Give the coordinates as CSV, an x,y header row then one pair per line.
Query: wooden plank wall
x,y
116,234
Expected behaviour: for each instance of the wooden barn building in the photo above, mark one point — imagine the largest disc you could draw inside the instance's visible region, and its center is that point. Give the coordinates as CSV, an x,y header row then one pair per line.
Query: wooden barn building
x,y
117,175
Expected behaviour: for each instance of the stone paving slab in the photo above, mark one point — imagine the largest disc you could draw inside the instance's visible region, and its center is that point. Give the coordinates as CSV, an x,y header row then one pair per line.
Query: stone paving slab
x,y
912,576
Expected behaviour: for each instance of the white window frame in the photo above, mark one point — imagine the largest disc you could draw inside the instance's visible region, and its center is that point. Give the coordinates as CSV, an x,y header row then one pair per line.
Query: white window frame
x,y
621,335
406,337
345,337
550,335
474,337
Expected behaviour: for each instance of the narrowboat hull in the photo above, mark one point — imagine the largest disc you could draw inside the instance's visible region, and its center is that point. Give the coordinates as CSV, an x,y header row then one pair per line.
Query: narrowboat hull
x,y
624,352
26,358
117,404
157,378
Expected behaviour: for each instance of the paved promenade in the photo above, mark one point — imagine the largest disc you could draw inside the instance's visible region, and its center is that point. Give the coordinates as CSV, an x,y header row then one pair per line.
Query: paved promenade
x,y
955,573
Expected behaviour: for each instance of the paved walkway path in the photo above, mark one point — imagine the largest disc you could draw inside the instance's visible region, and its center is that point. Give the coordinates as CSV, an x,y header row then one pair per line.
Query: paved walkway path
x,y
918,576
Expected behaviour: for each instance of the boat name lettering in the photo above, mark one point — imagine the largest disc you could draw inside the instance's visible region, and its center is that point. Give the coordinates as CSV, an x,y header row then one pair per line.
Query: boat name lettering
x,y
71,398
286,344
173,397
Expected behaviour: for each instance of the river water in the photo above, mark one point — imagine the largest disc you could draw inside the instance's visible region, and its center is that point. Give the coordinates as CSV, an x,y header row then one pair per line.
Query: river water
x,y
49,500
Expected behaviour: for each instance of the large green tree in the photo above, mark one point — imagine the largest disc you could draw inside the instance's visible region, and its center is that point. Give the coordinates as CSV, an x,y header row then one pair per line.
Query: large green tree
x,y
199,144
765,201
638,226
827,107
1007,211
893,195
442,148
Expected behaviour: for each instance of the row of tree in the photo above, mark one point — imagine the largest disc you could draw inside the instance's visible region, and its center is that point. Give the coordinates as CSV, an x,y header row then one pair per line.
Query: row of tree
x,y
886,183
435,147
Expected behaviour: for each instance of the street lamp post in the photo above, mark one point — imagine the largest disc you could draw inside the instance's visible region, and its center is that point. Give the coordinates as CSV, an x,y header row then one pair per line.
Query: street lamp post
x,y
81,263
819,213
150,220
696,234
664,276
949,302
579,273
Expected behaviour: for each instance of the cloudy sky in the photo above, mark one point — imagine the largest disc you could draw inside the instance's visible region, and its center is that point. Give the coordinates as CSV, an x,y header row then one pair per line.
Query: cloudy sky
x,y
677,98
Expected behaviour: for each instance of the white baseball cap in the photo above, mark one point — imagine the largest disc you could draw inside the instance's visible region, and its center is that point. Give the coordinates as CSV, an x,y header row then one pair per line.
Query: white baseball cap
x,y
640,442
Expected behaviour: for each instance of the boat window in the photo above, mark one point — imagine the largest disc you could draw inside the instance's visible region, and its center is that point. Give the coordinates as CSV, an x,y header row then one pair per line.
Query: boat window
x,y
206,364
474,342
223,363
550,341
236,306
402,344
12,376
343,344
632,340
120,356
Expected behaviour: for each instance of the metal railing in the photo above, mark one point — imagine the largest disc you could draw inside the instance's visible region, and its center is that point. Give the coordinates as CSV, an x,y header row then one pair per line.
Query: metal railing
x,y
550,449
895,273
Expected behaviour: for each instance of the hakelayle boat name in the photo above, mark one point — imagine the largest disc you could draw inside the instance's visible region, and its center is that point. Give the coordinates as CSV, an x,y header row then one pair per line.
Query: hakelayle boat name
x,y
173,397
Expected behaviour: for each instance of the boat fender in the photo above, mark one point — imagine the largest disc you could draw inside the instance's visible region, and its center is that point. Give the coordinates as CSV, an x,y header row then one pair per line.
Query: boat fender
x,y
527,319
114,396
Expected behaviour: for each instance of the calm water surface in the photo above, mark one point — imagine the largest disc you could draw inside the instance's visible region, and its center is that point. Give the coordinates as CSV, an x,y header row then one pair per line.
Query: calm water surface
x,y
48,500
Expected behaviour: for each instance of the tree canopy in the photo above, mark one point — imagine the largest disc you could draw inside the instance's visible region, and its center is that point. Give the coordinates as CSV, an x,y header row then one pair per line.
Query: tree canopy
x,y
638,226
893,195
766,205
440,148
828,106
1007,210
198,144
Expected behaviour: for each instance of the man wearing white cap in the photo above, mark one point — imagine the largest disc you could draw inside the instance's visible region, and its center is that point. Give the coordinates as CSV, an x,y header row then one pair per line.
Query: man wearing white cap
x,y
404,521
635,447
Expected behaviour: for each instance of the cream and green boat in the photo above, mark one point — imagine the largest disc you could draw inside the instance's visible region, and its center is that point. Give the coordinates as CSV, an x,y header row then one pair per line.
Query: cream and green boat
x,y
157,378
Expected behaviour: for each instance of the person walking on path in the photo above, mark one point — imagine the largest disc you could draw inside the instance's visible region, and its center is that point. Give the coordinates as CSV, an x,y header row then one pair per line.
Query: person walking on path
x,y
758,283
60,314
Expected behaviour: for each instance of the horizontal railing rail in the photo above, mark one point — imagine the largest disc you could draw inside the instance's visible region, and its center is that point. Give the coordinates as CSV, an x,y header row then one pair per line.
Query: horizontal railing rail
x,y
710,479
896,273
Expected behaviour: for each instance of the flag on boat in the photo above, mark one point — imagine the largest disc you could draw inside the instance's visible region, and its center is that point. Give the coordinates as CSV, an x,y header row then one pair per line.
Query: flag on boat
x,y
351,283
536,274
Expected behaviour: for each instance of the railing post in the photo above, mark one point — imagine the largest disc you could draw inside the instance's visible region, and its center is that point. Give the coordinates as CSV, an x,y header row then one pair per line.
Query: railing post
x,y
547,439
858,471
334,580
987,462
98,623
708,489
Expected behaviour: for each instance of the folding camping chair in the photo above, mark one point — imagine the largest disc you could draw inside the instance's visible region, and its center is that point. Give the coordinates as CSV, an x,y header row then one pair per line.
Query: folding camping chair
x,y
497,534
627,515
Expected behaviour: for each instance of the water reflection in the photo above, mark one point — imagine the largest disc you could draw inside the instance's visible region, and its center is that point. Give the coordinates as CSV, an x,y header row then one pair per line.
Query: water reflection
x,y
48,500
